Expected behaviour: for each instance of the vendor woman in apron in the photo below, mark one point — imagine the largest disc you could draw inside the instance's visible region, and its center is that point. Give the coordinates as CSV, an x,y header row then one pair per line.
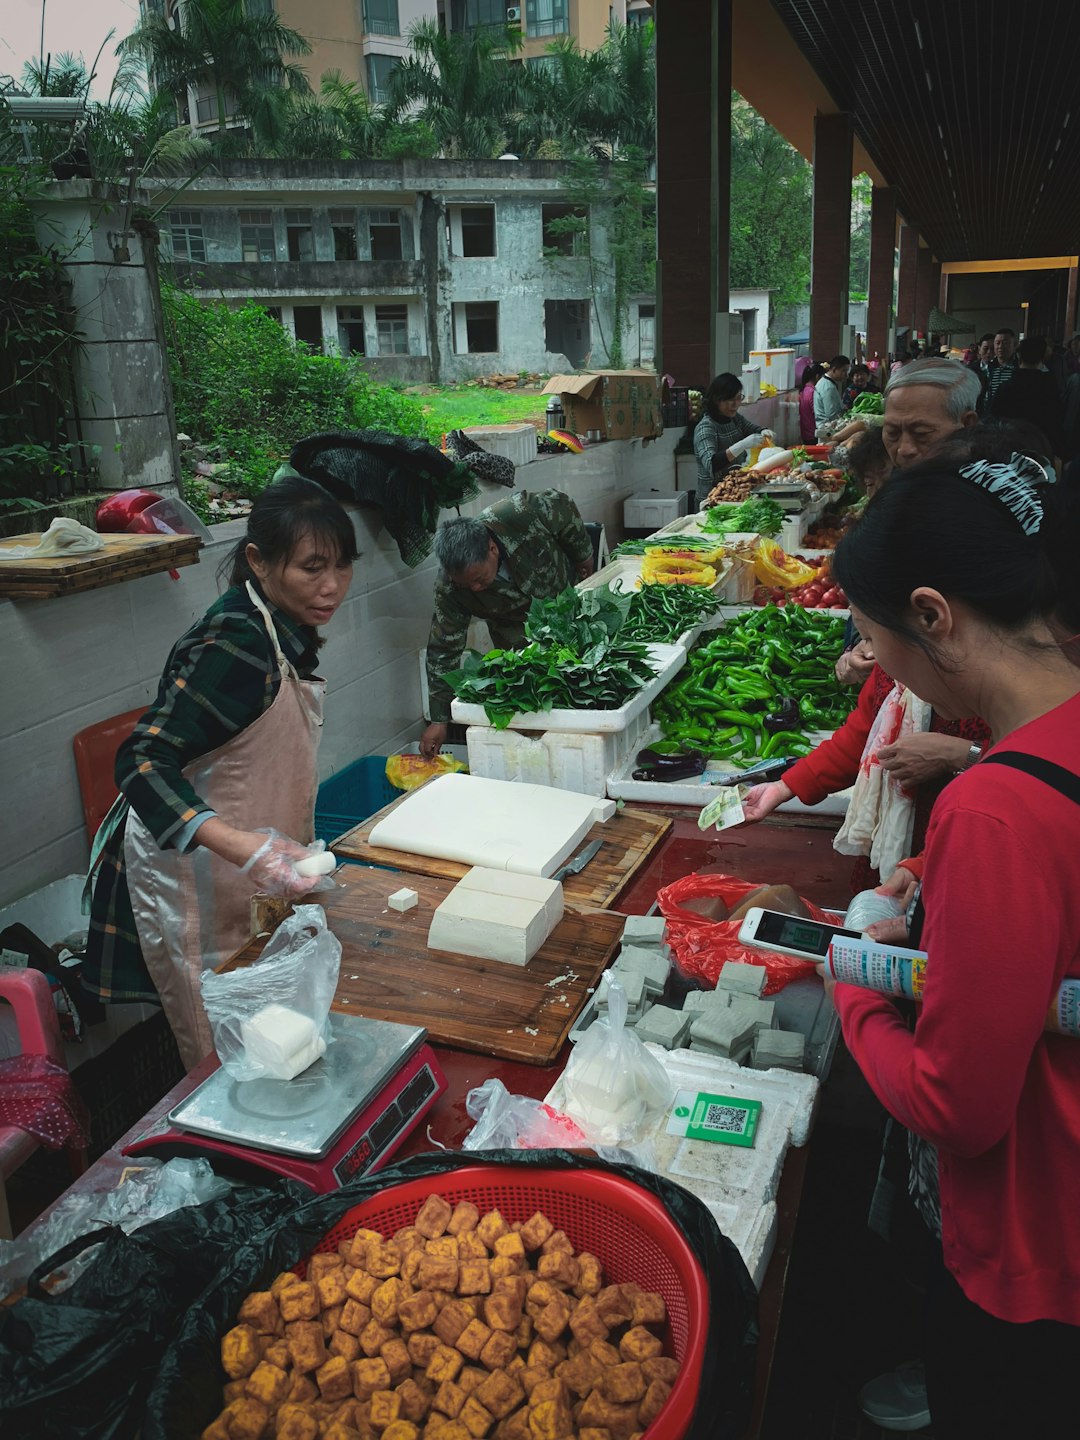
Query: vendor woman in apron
x,y
225,754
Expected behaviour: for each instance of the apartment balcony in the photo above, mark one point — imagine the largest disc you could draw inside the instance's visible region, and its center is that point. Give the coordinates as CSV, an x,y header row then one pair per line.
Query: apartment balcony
x,y
301,277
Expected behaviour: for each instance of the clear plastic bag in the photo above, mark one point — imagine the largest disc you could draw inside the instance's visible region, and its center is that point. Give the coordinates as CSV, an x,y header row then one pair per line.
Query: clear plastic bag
x,y
868,908
516,1122
612,1087
271,1019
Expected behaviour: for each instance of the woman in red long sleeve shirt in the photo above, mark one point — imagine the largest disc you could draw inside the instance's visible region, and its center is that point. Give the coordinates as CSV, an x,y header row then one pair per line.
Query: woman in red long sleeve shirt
x,y
990,627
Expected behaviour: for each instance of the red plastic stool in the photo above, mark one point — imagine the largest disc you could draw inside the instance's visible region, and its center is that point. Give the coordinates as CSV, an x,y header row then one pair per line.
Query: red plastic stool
x,y
95,759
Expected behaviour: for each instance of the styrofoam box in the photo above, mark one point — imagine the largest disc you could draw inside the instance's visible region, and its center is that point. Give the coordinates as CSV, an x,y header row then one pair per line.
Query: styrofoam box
x,y
649,512
777,367
667,661
516,442
53,913
565,760
696,791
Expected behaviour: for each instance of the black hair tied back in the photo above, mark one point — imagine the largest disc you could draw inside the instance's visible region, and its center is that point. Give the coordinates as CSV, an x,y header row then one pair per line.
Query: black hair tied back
x,y
287,511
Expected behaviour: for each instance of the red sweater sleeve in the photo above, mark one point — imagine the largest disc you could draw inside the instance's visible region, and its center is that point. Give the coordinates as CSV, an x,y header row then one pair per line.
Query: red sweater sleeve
x,y
994,937
834,764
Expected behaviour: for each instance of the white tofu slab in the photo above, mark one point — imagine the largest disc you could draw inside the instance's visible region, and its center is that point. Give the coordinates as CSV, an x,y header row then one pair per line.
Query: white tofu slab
x,y
548,893
490,927
498,824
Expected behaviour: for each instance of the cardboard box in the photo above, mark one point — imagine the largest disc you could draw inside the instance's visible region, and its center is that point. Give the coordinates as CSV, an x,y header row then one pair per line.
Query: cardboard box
x,y
618,403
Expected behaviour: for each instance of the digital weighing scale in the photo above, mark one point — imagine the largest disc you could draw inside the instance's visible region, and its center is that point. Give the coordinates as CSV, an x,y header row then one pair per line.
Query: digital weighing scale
x,y
344,1116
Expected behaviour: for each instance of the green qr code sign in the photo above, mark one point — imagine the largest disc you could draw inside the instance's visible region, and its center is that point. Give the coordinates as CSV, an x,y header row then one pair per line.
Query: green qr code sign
x,y
723,1118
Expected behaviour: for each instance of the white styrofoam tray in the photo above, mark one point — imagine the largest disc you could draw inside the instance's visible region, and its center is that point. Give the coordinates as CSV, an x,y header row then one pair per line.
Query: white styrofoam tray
x,y
562,758
698,790
667,661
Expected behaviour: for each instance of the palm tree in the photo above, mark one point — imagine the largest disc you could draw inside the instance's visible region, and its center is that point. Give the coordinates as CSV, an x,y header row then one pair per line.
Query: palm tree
x,y
241,54
462,86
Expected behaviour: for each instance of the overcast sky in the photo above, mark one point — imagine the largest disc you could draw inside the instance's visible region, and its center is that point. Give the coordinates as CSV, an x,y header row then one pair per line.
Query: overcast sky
x,y
76,25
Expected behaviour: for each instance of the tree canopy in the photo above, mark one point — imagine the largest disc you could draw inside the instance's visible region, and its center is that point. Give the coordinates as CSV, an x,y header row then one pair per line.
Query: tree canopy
x,y
771,209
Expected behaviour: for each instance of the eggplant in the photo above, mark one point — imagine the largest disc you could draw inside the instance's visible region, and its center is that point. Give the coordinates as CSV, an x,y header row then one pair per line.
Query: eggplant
x,y
663,761
676,769
786,718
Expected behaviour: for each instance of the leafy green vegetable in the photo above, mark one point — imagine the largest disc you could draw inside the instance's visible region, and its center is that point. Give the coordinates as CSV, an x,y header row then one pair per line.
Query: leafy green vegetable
x,y
869,403
758,515
661,613
684,542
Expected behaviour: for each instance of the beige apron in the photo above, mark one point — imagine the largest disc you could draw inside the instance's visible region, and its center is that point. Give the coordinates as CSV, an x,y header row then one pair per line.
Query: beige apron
x,y
192,911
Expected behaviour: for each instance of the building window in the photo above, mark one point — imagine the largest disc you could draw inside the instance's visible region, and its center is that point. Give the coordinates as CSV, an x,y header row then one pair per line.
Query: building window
x,y
381,17
565,229
476,327
257,235
392,329
307,325
638,17
206,107
547,17
544,67
299,235
350,329
378,77
186,235
472,230
343,226
385,228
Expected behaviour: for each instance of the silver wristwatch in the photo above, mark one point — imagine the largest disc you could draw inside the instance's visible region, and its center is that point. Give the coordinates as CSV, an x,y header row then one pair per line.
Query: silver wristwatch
x,y
973,755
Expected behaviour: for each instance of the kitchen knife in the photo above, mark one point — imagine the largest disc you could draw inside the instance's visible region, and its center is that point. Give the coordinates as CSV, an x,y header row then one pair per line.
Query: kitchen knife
x,y
580,860
760,773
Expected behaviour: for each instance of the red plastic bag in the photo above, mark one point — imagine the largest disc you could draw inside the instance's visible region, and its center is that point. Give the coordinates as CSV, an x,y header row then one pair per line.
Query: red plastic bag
x,y
702,946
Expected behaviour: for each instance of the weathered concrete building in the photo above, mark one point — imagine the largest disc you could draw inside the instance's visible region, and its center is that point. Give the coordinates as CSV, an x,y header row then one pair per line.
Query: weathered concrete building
x,y
429,269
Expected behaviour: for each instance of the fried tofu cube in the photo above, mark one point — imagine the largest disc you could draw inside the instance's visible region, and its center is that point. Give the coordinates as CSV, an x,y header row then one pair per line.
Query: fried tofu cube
x,y
217,1429
552,1320
470,1246
247,1420
639,1344
283,1281
395,1354
604,1353
579,1373
241,1351
541,1293
465,1217
408,1238
344,1343
334,1379
304,1390
294,1422
268,1384
330,1320
476,1418
500,1393
410,1267
369,1375
550,1420
260,1311
653,1401
546,1355
594,1432
452,1430
437,1272
474,1277
415,1403
510,1246
299,1302
490,1226
421,1345
330,1288
557,1240
373,1337
613,1306
278,1354
383,1260
471,1377
505,1267
322,1264
446,1245
385,1408
234,1390
449,1398
559,1267
358,1249
586,1322
339,1430
648,1308
401,1430
385,1301
498,1350
354,1317
445,1364
516,1285
503,1312
515,1426
590,1275
451,1321
550,1389
361,1286
621,1384
535,1231
595,1410
433,1217
473,1339
660,1367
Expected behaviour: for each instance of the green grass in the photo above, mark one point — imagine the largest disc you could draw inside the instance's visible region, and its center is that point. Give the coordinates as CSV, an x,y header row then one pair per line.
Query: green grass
x,y
461,407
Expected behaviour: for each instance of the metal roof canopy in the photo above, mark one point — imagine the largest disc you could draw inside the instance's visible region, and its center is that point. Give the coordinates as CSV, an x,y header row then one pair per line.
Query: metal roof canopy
x,y
965,109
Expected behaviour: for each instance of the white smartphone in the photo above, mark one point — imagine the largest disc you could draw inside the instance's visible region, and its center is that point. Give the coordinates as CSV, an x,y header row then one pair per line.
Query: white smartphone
x,y
789,934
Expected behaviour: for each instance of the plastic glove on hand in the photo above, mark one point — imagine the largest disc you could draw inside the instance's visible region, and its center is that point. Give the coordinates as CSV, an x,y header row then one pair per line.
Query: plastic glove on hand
x,y
272,868
749,442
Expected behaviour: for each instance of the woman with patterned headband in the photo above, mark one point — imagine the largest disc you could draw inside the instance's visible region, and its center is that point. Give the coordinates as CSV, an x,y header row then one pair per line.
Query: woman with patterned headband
x,y
965,580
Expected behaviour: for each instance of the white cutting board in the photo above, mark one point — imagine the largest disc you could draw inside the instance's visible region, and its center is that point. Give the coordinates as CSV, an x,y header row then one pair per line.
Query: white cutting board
x,y
502,824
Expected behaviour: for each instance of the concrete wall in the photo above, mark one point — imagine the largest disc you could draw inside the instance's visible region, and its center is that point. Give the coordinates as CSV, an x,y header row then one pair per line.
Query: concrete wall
x,y
70,662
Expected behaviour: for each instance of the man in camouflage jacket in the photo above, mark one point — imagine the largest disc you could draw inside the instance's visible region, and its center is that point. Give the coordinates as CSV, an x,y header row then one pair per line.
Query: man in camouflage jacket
x,y
493,567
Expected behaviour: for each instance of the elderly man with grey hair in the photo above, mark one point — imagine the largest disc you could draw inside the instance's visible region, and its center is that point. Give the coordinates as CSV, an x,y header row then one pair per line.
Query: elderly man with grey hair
x,y
925,403
492,568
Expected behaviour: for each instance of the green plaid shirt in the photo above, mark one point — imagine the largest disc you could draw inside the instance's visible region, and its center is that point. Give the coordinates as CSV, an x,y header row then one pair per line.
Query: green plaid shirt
x,y
543,542
220,677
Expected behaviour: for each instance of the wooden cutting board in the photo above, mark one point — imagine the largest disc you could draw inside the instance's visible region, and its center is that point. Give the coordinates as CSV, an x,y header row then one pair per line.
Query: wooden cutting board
x,y
125,557
629,838
508,1011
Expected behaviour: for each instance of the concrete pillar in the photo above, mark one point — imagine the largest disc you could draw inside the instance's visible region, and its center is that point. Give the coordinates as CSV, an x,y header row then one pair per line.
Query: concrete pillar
x,y
879,302
124,398
924,277
831,251
693,184
1069,328
943,287
905,284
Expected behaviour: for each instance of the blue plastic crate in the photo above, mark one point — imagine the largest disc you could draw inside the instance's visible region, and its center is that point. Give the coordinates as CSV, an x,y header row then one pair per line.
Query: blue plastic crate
x,y
351,796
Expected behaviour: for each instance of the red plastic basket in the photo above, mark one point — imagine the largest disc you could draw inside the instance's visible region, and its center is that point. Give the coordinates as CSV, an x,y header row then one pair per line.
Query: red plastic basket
x,y
626,1228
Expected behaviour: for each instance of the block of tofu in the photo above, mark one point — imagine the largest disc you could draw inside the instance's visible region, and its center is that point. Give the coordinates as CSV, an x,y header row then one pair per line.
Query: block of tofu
x,y
490,927
650,964
644,930
761,1013
706,1000
518,887
664,1026
603,811
725,1032
778,1050
746,979
634,986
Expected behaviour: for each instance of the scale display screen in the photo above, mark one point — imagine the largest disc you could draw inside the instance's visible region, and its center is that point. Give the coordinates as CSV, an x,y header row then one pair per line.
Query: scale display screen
x,y
807,937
